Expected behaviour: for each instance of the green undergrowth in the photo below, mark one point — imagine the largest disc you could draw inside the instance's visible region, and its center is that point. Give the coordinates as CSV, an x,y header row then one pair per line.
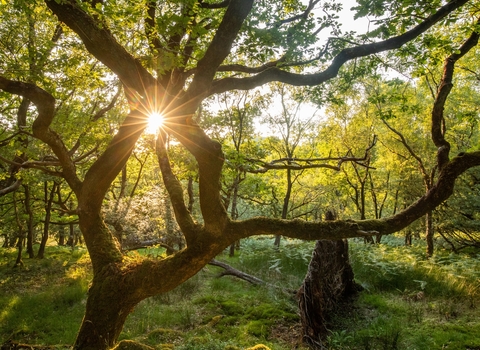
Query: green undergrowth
x,y
211,312
43,301
408,301
411,302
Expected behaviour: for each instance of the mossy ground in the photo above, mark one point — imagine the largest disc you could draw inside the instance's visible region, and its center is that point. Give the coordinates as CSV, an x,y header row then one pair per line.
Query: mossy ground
x,y
409,302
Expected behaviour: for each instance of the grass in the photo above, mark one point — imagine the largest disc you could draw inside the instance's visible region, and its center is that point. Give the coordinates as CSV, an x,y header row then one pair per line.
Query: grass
x,y
409,302
43,301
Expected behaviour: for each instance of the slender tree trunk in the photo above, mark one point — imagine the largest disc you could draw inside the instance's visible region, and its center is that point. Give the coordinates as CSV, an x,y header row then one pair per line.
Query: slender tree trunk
x,y
368,239
61,235
19,261
14,241
286,202
408,237
429,233
5,241
233,210
19,240
28,210
169,225
71,236
48,214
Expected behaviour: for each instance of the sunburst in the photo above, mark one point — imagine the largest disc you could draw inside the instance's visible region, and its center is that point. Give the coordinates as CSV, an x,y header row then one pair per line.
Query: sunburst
x,y
155,121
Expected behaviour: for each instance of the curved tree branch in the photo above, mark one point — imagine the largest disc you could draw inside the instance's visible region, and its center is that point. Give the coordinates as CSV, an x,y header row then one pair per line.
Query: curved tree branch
x,y
276,74
220,47
100,42
304,15
217,5
359,228
11,188
175,191
309,163
443,91
102,173
101,112
45,104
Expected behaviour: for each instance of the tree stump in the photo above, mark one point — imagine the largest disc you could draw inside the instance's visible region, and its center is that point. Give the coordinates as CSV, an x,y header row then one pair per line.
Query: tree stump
x,y
329,281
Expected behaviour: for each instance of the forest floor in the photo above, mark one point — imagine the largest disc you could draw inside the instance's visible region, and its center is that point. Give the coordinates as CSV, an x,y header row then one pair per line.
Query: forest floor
x,y
408,301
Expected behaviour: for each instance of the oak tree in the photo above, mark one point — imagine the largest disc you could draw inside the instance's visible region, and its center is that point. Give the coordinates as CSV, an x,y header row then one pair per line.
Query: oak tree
x,y
169,56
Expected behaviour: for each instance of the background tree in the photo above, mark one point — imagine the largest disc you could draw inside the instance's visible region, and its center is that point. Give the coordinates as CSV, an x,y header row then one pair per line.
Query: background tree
x,y
292,128
233,126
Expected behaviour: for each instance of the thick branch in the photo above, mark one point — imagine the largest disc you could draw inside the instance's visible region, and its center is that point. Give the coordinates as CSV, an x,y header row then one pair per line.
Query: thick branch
x,y
102,173
100,42
348,229
175,191
251,70
45,104
276,74
217,5
13,187
444,89
220,46
190,260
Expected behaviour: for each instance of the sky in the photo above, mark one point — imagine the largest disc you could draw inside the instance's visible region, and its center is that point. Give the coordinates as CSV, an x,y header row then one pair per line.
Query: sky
x,y
346,16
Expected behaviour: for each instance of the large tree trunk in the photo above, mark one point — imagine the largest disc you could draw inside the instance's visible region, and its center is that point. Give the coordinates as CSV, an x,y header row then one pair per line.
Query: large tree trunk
x,y
110,299
108,305
119,283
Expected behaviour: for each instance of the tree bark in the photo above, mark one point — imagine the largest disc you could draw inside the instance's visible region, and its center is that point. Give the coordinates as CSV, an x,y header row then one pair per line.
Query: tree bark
x,y
233,209
286,203
18,261
108,305
61,235
329,281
